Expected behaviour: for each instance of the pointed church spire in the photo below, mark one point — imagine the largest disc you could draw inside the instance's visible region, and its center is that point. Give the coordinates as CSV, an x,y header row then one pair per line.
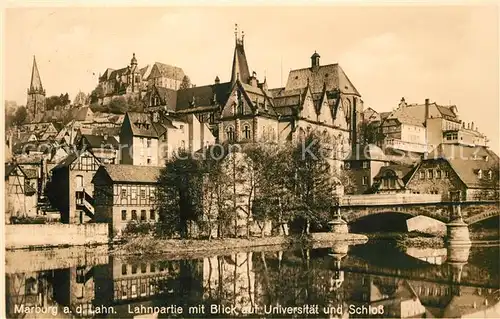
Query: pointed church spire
x,y
240,68
36,81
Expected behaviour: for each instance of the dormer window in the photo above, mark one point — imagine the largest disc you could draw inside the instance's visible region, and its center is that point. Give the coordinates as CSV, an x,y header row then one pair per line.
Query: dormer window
x,y
479,174
490,174
485,158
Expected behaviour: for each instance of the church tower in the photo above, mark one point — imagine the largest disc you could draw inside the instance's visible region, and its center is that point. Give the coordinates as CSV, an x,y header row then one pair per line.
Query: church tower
x,y
36,94
240,65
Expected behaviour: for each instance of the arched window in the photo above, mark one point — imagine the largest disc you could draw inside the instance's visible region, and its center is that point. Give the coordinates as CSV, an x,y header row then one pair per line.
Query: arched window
x,y
247,133
230,133
79,182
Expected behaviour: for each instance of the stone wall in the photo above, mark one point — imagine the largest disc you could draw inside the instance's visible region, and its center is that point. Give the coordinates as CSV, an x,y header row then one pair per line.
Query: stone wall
x,y
55,258
49,235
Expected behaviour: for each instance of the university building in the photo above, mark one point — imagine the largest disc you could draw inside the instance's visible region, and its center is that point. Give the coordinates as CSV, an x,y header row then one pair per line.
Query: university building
x,y
420,128
317,97
132,82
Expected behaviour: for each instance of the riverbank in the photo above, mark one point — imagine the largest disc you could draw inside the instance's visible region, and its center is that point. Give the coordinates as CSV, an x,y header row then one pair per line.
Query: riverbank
x,y
149,246
410,240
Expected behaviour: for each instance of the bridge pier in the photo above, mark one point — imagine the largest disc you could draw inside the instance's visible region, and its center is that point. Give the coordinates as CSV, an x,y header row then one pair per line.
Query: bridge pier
x,y
338,225
457,230
457,233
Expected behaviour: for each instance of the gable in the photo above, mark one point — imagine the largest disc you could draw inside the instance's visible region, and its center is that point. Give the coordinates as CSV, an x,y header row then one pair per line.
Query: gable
x,y
340,118
101,177
85,162
307,110
325,111
237,103
155,72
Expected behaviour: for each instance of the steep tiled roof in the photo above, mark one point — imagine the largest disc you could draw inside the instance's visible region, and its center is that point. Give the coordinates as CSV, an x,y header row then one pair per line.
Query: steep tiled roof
x,y
33,146
82,113
401,171
332,75
276,91
30,173
203,96
168,97
9,168
256,97
240,64
36,81
384,115
97,141
466,161
132,173
415,113
165,70
107,74
141,124
66,161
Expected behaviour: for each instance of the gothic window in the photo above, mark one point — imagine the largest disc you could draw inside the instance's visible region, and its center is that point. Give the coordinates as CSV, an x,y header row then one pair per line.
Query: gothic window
x,y
246,132
430,174
392,182
230,133
79,182
365,180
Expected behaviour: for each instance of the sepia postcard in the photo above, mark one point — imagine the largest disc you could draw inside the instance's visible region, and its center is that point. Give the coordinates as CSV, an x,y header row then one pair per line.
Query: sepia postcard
x,y
224,160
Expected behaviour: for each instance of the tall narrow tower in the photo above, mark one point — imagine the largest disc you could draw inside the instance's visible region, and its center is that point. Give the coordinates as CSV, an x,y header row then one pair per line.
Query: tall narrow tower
x,y
240,69
36,94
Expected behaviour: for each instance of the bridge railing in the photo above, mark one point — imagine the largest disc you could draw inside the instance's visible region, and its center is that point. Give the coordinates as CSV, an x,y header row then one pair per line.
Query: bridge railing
x,y
389,199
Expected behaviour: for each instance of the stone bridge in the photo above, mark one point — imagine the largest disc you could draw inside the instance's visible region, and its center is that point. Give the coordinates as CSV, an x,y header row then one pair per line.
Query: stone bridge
x,y
354,207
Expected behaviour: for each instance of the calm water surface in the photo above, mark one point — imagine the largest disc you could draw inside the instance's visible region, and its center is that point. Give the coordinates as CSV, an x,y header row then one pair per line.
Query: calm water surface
x,y
370,280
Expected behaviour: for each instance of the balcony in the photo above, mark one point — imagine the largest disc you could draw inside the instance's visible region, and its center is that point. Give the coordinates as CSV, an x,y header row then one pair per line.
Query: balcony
x,y
85,202
406,146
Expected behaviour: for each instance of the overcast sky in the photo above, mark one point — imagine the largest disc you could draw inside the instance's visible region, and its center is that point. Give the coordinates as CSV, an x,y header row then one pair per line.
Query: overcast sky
x,y
447,54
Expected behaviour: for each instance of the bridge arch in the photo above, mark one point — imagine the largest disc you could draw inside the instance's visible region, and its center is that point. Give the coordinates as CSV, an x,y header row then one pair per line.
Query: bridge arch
x,y
352,214
387,221
482,216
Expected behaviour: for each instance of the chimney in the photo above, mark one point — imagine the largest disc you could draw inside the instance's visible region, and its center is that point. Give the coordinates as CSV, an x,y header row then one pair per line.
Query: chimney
x,y
472,126
217,80
426,109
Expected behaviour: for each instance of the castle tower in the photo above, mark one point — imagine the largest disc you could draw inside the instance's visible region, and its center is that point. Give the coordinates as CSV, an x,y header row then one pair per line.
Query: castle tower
x,y
240,65
35,103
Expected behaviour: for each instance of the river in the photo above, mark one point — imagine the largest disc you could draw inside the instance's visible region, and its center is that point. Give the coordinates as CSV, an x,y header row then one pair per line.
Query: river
x,y
376,279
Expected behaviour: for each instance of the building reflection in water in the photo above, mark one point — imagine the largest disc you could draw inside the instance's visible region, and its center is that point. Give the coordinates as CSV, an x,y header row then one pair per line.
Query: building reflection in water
x,y
334,278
